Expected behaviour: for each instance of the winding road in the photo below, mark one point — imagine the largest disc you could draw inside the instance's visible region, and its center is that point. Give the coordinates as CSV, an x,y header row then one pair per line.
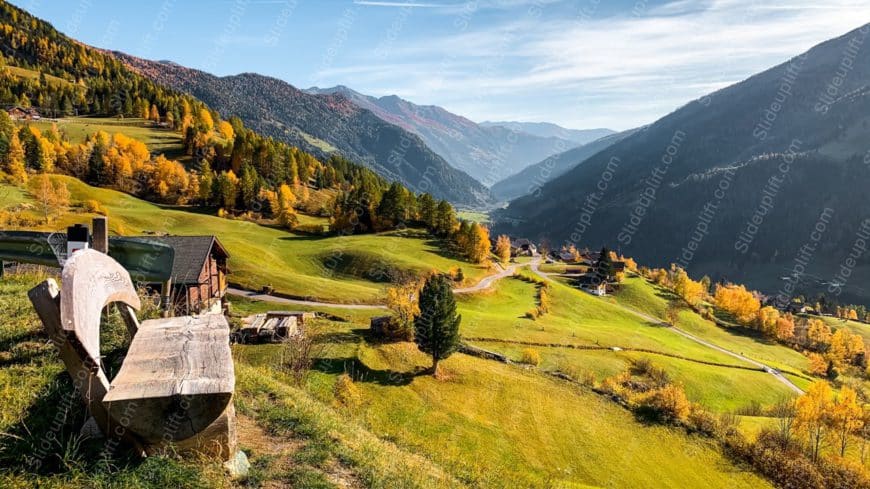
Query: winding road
x,y
772,371
483,284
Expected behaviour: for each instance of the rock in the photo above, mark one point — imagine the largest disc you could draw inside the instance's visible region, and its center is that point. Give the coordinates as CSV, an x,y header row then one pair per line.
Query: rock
x,y
238,466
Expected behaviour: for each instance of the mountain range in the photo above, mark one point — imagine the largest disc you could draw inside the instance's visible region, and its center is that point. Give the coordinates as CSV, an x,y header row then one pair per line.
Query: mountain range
x,y
530,179
487,152
321,124
550,130
736,184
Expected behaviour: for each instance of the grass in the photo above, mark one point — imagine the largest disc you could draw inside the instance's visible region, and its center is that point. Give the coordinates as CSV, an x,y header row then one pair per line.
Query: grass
x,y
159,140
577,318
653,300
353,268
494,425
474,216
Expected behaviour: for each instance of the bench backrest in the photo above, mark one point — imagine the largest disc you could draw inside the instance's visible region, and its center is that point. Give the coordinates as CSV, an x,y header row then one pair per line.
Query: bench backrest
x,y
92,280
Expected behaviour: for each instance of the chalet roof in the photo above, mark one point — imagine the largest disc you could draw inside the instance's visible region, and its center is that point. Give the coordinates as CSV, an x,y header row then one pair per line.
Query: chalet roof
x,y
191,252
589,279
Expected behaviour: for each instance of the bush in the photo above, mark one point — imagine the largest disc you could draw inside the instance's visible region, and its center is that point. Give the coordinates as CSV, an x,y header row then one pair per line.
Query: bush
x,y
531,357
702,420
667,403
346,393
94,207
533,314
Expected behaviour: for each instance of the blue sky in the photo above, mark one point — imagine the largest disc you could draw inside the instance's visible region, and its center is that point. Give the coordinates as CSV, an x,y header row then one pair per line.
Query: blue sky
x,y
578,63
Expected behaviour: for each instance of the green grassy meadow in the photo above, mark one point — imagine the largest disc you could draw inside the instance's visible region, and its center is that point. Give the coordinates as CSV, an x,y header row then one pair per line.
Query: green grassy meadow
x,y
159,140
347,269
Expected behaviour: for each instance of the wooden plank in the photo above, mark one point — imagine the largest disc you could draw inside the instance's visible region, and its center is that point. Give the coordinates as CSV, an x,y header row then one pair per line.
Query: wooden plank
x,y
177,377
91,280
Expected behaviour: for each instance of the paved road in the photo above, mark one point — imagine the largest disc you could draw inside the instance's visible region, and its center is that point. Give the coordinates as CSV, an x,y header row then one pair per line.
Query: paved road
x,y
487,281
772,371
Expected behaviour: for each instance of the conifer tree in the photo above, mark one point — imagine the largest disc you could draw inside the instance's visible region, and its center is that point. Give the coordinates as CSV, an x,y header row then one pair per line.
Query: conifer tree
x,y
436,329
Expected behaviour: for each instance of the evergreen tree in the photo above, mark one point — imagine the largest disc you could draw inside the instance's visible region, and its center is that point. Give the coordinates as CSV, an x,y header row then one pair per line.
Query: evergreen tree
x,y
206,182
604,266
436,329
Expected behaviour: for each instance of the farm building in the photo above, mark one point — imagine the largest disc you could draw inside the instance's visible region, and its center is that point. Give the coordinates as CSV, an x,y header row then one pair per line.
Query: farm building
x,y
199,273
523,247
24,114
592,283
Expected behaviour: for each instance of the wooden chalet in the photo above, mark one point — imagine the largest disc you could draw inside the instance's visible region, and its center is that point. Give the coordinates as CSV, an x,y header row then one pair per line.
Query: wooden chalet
x,y
199,274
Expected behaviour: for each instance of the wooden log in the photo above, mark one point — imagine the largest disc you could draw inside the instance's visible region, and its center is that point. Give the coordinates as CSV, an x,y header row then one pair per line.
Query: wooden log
x,y
88,379
176,379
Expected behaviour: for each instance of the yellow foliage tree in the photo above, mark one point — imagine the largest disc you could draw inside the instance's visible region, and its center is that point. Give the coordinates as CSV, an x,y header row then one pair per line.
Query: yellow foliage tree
x,y
225,129
738,301
479,245
811,416
402,301
818,364
818,333
785,328
692,292
503,249
846,417
285,212
52,197
206,120
13,163
766,320
155,114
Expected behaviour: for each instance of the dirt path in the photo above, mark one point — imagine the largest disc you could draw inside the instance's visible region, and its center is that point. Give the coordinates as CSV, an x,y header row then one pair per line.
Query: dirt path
x,y
483,284
772,371
299,302
487,281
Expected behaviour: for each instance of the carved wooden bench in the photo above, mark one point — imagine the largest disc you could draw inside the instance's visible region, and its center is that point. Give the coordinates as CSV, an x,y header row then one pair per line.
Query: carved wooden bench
x,y
176,382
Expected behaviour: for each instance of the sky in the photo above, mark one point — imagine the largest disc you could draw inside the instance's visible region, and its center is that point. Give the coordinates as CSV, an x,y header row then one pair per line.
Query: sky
x,y
578,63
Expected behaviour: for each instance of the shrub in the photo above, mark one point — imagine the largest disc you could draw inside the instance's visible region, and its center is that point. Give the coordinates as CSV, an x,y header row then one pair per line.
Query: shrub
x,y
702,420
346,393
94,207
531,357
298,355
533,314
668,403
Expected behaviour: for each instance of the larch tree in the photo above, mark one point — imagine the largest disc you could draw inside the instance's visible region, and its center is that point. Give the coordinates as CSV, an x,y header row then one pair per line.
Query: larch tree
x,y
846,417
503,249
155,114
402,300
480,245
811,416
285,212
436,328
13,163
52,197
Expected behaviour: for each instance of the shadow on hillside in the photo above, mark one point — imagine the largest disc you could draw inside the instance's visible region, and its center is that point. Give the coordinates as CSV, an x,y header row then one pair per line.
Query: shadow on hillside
x,y
362,373
47,440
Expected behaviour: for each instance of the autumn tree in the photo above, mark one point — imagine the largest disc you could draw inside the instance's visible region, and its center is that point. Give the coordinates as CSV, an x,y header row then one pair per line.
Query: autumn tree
x,y
13,161
785,328
284,210
738,301
503,249
766,320
51,196
155,114
479,244
436,328
819,334
206,182
402,301
228,189
846,417
811,416
691,291
445,218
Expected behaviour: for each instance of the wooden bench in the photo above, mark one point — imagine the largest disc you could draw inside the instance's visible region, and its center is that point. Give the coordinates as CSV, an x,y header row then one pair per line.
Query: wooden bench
x,y
176,382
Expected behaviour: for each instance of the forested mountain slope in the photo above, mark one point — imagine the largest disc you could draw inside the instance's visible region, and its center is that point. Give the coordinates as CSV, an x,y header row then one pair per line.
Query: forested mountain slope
x,y
321,124
783,146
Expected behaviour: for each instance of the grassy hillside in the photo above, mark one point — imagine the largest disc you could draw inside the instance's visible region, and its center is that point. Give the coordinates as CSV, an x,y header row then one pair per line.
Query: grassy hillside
x,y
496,321
494,425
333,268
159,140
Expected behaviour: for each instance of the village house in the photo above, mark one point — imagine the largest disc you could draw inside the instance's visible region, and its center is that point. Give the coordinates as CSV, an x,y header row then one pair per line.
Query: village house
x,y
592,283
24,114
199,274
523,247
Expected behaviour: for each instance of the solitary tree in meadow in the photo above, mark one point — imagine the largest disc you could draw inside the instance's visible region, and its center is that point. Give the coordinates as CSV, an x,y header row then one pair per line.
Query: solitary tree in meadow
x,y
436,329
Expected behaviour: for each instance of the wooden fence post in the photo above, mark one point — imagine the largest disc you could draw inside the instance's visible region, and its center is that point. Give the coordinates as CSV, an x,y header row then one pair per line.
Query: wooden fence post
x,y
100,236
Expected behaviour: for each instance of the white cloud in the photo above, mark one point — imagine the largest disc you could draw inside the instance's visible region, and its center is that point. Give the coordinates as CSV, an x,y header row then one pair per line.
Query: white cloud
x,y
631,68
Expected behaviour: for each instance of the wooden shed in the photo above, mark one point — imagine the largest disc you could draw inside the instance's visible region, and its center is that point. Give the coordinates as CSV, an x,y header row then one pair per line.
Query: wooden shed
x,y
199,273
